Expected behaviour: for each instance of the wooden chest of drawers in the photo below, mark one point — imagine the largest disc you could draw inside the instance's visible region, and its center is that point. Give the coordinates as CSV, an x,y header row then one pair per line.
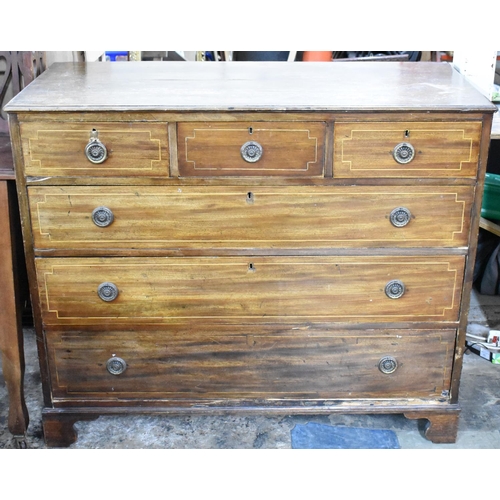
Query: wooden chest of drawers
x,y
250,237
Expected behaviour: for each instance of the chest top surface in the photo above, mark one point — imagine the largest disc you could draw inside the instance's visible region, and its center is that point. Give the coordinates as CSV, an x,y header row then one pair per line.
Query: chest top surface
x,y
250,86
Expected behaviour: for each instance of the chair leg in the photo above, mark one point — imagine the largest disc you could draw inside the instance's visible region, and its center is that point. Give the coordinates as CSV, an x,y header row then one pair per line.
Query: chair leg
x,y
11,334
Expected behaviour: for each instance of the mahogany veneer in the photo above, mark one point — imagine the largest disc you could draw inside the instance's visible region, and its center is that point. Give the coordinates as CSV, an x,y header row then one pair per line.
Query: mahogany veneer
x,y
250,237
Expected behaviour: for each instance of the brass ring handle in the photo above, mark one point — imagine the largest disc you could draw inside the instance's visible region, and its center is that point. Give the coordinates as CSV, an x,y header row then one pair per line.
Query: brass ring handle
x,y
102,216
400,217
403,153
395,289
107,291
388,365
116,366
251,151
95,151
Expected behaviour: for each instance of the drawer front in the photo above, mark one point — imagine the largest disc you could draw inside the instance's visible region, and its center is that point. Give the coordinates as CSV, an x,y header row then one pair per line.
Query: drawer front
x,y
186,368
260,289
93,219
411,149
58,149
251,149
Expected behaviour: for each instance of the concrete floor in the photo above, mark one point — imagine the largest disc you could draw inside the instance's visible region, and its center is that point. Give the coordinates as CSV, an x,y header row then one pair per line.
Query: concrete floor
x,y
479,425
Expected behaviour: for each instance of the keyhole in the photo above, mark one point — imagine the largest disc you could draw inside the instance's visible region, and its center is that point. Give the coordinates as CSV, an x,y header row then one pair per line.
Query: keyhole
x,y
250,130
251,267
250,197
407,134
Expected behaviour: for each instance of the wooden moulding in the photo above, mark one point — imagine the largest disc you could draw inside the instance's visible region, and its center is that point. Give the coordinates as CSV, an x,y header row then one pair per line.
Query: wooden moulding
x,y
264,116
257,86
442,421
72,180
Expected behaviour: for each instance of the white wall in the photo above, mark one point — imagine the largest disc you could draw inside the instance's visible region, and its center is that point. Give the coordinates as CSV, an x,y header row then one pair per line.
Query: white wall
x,y
479,68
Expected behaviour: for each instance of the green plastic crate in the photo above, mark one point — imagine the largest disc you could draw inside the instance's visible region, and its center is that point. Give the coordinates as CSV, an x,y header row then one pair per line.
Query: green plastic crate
x,y
490,208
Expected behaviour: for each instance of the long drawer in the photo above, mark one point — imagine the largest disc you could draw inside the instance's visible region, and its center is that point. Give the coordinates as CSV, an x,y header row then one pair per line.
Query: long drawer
x,y
167,217
130,148
122,365
406,149
261,289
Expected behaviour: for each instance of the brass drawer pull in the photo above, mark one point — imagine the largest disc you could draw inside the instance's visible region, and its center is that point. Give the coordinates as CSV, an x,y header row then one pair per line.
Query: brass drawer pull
x,y
102,216
404,152
116,366
395,289
251,151
400,217
388,365
107,291
95,150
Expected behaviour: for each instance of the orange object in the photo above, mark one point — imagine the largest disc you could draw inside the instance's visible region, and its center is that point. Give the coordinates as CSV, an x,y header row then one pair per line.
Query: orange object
x,y
317,55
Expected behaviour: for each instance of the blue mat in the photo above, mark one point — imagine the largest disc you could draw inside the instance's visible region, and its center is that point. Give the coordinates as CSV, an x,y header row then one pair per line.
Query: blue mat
x,y
319,436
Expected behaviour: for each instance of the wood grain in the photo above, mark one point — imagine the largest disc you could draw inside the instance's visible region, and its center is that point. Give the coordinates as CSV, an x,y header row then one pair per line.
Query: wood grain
x,y
289,148
255,86
55,149
262,289
441,149
471,258
441,428
59,431
250,290
286,365
258,217
20,185
272,114
11,333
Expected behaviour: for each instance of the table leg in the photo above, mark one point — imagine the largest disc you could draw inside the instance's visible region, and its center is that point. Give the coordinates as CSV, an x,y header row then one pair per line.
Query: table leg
x,y
11,333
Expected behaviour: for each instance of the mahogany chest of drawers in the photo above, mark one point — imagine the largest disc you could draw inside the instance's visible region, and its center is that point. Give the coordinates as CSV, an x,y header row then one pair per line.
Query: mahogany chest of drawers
x,y
250,237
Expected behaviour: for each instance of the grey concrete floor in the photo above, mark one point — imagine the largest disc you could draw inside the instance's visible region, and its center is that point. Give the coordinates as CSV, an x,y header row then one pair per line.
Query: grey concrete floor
x,y
479,425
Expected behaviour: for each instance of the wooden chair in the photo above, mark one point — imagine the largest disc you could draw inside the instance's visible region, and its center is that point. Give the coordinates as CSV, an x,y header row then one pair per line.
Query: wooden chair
x,y
20,69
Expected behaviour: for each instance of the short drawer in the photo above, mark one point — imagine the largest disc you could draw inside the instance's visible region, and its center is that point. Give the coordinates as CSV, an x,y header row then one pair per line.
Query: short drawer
x,y
320,217
122,365
406,149
258,289
114,149
251,149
